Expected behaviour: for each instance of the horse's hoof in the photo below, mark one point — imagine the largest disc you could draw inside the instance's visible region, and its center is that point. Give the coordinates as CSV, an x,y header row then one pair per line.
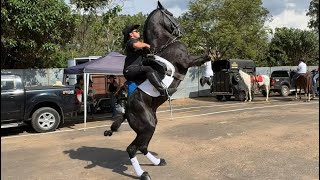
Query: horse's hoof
x,y
162,162
108,133
145,176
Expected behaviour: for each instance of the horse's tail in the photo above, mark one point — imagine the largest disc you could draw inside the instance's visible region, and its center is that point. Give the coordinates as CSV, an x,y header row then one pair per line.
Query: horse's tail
x,y
118,120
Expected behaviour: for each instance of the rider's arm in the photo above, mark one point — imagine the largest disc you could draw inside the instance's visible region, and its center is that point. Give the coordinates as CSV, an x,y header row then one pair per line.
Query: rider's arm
x,y
140,45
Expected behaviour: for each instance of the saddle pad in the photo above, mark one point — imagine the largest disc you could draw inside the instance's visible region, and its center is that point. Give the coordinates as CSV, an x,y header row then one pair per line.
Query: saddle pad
x,y
256,78
148,88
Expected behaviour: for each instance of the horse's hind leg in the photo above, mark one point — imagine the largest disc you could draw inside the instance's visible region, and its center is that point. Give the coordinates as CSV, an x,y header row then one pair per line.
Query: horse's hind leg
x,y
144,150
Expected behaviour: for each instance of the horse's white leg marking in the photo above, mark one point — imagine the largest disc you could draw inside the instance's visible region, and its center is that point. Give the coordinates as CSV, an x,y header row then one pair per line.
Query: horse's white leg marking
x,y
153,159
136,166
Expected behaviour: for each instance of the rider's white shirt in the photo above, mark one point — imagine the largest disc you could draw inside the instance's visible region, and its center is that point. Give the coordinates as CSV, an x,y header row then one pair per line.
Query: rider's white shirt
x,y
302,68
208,69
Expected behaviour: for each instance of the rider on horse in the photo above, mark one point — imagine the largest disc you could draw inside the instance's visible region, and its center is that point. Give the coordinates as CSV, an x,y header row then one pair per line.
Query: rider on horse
x,y
301,70
134,69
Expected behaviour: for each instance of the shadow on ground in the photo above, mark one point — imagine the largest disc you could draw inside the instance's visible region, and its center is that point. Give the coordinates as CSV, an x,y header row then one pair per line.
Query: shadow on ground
x,y
69,122
116,160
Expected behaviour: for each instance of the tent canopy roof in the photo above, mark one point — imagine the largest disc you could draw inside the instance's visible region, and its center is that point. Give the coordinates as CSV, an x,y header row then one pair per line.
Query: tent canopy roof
x,y
110,64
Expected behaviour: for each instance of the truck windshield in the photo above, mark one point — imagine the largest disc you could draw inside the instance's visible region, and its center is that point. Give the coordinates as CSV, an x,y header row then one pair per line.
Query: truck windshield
x,y
279,74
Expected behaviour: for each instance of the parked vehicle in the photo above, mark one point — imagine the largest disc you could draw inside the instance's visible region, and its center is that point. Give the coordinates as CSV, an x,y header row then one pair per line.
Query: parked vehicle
x,y
44,108
280,82
227,81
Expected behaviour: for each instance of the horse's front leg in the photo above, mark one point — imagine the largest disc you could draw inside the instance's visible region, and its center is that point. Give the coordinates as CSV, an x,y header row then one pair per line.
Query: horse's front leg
x,y
250,95
300,93
198,60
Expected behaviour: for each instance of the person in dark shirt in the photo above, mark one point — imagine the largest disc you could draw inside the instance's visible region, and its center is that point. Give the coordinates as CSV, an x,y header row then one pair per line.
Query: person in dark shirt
x,y
133,68
113,90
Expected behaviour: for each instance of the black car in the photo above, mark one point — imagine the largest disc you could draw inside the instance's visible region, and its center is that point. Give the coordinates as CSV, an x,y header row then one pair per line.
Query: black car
x,y
281,82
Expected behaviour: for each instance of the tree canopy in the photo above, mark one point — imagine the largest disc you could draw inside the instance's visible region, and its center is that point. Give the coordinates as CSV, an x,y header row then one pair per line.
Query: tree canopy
x,y
289,45
45,33
33,32
314,15
232,28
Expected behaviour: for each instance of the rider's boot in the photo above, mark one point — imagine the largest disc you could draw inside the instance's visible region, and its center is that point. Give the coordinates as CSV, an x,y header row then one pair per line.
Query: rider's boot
x,y
156,82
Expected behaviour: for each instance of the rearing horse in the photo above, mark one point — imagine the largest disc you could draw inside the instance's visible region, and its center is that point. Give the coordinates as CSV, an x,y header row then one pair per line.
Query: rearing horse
x,y
160,31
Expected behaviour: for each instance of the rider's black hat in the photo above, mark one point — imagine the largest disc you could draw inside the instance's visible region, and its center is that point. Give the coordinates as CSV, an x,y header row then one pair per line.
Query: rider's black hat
x,y
127,30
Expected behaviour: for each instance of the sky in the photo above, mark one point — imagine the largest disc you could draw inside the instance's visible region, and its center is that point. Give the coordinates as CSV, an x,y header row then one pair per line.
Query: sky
x,y
285,13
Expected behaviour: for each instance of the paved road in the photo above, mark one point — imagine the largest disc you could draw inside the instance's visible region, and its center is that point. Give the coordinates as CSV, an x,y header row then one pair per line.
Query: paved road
x,y
205,139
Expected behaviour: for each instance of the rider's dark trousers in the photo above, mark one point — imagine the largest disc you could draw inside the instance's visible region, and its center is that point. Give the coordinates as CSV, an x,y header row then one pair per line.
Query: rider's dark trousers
x,y
134,72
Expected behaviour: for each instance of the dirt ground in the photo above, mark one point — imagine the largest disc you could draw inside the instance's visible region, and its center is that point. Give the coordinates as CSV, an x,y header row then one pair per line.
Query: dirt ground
x,y
205,139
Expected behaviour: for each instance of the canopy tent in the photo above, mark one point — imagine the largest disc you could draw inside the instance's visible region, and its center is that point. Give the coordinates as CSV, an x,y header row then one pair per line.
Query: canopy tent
x,y
111,64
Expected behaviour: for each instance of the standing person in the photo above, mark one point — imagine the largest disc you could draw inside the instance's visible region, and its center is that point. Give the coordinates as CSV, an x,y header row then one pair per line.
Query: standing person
x,y
133,68
91,98
301,70
207,75
113,90
315,79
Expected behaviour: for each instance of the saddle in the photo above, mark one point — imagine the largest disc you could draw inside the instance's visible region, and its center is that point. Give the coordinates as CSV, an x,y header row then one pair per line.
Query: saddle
x,y
165,70
158,66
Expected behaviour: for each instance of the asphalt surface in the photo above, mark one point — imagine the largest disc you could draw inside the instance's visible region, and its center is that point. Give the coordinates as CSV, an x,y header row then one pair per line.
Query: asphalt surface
x,y
204,139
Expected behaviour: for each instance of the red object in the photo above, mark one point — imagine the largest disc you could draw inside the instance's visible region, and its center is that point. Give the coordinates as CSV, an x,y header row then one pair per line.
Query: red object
x,y
256,78
78,92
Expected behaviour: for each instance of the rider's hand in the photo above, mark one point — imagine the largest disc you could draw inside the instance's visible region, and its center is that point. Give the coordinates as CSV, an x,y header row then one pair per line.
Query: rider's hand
x,y
147,46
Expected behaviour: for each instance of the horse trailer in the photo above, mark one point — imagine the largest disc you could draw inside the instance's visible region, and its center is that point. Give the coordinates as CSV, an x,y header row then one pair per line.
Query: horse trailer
x,y
227,81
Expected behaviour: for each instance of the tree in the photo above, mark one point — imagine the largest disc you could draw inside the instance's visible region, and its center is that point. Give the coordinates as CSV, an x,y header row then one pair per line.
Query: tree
x,y
314,15
289,45
233,28
33,31
99,33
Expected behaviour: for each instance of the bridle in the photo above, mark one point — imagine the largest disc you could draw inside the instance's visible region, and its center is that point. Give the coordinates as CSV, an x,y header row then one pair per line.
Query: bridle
x,y
176,33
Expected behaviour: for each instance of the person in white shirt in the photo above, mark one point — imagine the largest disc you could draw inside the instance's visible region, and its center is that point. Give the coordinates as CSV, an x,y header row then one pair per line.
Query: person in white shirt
x,y
207,75
301,69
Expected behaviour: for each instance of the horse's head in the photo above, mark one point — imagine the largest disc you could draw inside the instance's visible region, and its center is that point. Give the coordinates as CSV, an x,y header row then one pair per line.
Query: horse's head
x,y
161,24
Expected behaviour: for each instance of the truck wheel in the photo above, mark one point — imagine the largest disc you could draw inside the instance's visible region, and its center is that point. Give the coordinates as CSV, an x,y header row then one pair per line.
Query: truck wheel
x,y
219,97
228,97
45,119
285,91
241,96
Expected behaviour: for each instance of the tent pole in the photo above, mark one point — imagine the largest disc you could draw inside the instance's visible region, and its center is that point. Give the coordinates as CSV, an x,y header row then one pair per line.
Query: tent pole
x,y
85,100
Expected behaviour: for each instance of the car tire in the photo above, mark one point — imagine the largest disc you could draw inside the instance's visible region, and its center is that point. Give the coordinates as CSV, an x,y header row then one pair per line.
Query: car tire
x,y
285,91
219,97
45,119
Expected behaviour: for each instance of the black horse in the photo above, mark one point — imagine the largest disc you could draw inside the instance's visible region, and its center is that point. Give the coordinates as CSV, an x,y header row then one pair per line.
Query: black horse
x,y
160,31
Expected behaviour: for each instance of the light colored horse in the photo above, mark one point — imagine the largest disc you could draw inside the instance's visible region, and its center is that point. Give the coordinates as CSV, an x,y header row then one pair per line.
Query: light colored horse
x,y
249,80
266,83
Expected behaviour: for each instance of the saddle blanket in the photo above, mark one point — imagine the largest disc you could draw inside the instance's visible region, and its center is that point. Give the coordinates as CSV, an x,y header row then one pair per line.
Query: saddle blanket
x,y
148,88
256,78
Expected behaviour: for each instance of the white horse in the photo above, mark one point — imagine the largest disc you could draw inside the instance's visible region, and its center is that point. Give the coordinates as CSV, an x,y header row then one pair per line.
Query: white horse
x,y
249,80
266,83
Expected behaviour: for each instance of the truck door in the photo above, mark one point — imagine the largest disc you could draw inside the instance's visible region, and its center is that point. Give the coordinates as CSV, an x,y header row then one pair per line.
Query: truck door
x,y
12,99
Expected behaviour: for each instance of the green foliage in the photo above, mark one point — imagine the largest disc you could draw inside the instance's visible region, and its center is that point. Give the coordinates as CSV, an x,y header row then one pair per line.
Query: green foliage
x,y
100,33
314,15
233,28
289,45
33,32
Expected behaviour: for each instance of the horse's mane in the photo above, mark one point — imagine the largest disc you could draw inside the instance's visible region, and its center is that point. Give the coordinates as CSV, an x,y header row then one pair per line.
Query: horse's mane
x,y
147,23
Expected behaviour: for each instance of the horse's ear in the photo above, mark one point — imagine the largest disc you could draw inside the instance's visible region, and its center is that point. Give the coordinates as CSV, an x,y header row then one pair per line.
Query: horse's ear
x,y
160,5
